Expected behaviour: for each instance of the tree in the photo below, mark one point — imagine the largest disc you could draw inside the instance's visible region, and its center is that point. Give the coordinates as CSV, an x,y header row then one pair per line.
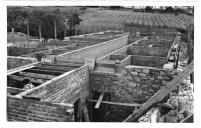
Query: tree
x,y
73,20
148,9
16,18
169,9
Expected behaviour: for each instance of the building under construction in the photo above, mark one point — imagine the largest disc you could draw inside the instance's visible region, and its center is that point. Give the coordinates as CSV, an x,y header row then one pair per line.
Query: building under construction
x,y
120,80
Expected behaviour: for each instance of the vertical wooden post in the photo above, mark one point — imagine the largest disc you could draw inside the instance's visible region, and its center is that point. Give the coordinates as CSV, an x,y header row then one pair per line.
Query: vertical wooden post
x,y
28,32
65,24
100,28
82,28
55,30
190,50
28,29
89,29
13,36
39,31
76,30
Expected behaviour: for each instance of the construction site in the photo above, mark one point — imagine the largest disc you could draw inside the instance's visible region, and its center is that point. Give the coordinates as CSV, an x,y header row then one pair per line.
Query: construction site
x,y
107,76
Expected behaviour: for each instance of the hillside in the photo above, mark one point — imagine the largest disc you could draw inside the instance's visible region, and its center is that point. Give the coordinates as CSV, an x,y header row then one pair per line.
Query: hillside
x,y
94,18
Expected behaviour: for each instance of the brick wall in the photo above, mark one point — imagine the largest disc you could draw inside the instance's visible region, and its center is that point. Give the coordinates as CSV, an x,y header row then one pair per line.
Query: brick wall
x,y
137,83
29,110
95,51
149,61
61,88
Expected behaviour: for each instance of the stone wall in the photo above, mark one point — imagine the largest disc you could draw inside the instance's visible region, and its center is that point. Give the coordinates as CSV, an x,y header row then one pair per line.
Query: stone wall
x,y
61,88
138,83
149,61
29,110
148,51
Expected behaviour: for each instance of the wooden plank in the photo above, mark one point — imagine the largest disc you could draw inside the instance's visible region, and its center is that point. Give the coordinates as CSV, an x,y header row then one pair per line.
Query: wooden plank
x,y
99,100
35,75
160,95
188,119
21,78
175,40
116,103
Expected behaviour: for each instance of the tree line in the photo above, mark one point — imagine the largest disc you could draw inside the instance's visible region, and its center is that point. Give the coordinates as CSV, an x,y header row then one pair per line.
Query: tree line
x,y
43,23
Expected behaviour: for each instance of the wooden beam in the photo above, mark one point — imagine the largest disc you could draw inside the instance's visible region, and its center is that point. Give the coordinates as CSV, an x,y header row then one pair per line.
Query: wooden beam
x,y
116,103
99,100
160,95
21,78
188,119
35,75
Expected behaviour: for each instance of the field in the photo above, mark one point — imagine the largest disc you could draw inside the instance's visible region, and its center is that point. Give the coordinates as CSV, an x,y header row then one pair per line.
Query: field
x,y
97,19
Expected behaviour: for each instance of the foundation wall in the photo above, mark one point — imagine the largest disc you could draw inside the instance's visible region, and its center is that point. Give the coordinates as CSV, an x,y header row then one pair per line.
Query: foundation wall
x,y
149,61
95,51
61,88
15,62
29,110
148,51
136,84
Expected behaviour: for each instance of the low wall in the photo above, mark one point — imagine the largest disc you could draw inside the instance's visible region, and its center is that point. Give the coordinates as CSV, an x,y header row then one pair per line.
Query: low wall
x,y
95,51
29,110
49,51
126,61
149,61
15,62
61,88
122,50
148,51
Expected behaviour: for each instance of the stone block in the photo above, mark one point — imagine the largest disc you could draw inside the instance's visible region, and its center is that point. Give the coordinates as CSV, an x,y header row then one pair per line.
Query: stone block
x,y
145,93
156,86
138,69
134,73
142,74
164,82
159,77
162,73
146,71
130,84
137,79
145,85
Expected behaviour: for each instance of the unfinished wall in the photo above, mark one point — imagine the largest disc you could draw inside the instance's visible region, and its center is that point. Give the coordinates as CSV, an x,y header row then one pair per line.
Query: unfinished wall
x,y
95,51
138,83
148,51
149,61
15,62
30,110
126,61
61,88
